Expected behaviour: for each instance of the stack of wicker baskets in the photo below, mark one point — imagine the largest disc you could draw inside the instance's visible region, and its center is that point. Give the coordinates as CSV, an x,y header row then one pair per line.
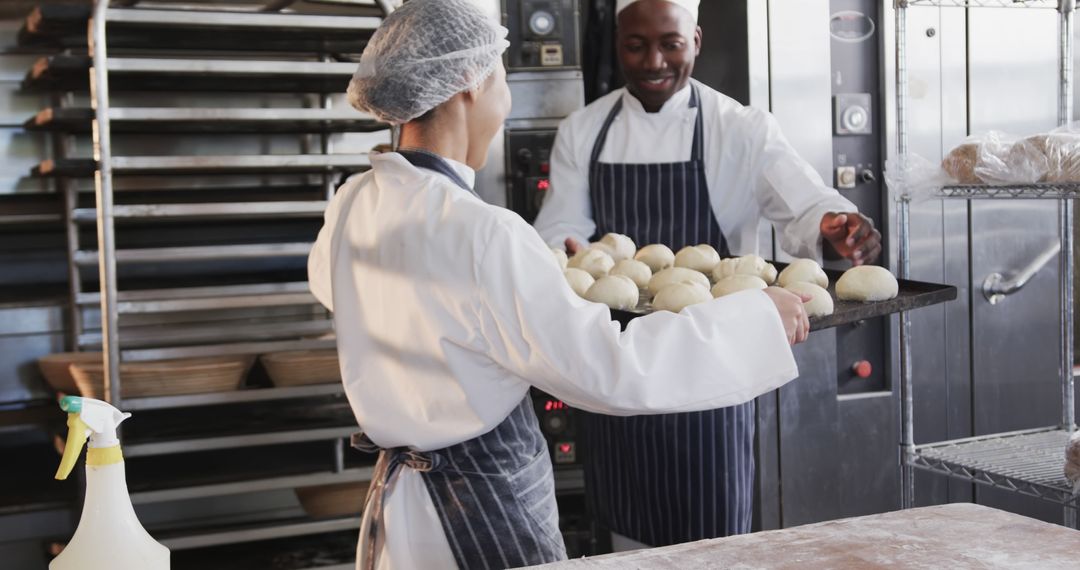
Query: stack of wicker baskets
x,y
84,374
335,500
302,367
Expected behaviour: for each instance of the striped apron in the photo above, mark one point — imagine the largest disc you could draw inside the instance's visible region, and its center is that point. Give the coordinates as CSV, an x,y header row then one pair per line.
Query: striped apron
x,y
666,479
494,494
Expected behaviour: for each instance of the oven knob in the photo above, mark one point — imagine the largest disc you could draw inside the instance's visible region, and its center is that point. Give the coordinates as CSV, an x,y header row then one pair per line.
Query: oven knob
x,y
554,423
855,119
541,23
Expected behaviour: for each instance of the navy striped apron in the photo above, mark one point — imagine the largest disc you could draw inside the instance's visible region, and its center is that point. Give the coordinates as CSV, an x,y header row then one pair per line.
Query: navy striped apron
x,y
494,494
666,479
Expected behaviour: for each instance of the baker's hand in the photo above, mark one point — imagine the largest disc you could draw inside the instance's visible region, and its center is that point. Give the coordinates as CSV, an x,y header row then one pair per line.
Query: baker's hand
x,y
573,246
852,236
792,313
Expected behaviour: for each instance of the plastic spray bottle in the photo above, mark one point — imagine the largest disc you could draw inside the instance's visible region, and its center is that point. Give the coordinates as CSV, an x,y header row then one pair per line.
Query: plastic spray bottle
x,y
109,536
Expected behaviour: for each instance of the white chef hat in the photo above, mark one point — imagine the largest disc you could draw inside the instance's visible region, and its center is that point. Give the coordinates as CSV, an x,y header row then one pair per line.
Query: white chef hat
x,y
690,5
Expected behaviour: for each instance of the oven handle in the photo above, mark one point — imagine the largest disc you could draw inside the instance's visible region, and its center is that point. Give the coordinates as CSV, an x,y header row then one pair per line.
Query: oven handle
x,y
996,287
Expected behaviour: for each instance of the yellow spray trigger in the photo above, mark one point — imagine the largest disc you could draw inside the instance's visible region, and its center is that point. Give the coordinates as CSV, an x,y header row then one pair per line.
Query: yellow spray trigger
x,y
75,440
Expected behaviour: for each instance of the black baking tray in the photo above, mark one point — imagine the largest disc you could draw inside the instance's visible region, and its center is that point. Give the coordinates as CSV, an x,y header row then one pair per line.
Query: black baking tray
x,y
912,295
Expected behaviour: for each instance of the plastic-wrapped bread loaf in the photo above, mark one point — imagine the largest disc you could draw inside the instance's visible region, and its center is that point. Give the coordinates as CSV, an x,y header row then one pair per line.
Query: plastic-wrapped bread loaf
x,y
960,163
1062,156
1072,461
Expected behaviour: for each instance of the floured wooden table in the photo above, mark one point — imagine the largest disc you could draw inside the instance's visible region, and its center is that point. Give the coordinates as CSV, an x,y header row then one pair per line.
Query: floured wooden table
x,y
947,536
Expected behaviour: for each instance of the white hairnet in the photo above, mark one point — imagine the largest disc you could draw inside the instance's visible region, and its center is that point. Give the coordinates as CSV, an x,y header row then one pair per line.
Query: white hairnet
x,y
423,54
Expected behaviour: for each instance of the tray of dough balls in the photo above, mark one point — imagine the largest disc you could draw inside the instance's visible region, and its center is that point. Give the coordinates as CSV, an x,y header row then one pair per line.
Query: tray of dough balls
x,y
635,282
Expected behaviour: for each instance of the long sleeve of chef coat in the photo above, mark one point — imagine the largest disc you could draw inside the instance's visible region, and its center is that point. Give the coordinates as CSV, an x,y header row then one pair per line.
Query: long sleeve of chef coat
x,y
752,171
447,309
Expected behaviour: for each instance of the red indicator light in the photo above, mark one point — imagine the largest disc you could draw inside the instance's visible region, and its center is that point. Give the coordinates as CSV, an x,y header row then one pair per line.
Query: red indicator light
x,y
551,405
862,369
545,167
565,447
543,184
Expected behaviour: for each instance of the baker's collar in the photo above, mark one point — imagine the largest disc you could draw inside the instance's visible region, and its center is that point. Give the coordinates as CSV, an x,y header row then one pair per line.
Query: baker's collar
x,y
468,175
678,101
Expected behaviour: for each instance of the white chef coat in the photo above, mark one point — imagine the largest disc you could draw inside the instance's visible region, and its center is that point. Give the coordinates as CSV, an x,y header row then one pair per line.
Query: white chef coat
x,y
751,170
447,309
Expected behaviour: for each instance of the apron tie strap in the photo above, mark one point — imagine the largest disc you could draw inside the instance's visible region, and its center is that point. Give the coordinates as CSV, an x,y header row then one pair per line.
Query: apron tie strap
x,y
382,480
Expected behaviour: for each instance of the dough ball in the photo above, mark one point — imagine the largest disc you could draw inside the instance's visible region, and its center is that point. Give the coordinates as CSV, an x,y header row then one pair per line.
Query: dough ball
x,y
804,270
579,280
637,271
615,291
746,265
677,275
560,257
602,247
736,283
960,163
622,247
867,283
701,258
657,256
820,305
593,261
677,296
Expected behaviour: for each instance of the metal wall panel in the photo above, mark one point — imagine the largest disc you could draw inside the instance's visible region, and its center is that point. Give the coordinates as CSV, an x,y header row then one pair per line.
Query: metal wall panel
x,y
837,456
937,110
1015,343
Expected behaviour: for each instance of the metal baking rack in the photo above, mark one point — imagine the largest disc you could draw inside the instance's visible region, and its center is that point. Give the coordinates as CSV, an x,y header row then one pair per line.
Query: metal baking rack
x,y
163,52
1029,462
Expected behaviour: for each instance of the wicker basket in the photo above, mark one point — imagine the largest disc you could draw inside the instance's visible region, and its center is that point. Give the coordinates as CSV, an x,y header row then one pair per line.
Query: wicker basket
x,y
336,500
302,367
56,369
166,377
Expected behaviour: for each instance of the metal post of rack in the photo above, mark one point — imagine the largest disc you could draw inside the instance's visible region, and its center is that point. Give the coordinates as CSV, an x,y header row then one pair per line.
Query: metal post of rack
x,y
1066,10
103,191
907,434
62,145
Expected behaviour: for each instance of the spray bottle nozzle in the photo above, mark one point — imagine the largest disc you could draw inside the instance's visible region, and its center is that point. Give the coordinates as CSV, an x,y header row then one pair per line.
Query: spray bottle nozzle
x,y
87,417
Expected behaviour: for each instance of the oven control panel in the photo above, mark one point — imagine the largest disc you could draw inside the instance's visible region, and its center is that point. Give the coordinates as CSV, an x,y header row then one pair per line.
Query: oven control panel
x,y
544,34
528,166
560,426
